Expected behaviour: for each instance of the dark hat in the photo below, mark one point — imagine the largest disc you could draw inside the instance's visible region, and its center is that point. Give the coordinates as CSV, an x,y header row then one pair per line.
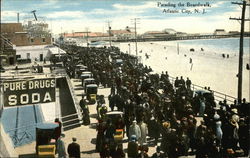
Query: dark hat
x,y
62,135
158,148
74,139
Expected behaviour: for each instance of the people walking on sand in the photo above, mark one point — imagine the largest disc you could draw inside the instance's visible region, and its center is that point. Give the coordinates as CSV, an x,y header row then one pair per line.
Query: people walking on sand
x,y
74,149
190,60
60,147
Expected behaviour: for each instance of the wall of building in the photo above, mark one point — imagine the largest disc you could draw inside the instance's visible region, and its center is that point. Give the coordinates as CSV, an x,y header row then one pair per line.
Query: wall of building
x,y
33,51
11,27
8,58
14,32
39,40
19,39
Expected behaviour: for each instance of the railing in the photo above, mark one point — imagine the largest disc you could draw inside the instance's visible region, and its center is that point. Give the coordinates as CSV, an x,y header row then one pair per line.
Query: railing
x,y
218,96
7,42
72,92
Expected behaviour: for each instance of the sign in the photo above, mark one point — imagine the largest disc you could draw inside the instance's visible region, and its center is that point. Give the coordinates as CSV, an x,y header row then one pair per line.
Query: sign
x,y
23,92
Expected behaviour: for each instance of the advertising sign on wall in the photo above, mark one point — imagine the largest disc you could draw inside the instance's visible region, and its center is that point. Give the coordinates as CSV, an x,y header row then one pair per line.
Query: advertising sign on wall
x,y
24,92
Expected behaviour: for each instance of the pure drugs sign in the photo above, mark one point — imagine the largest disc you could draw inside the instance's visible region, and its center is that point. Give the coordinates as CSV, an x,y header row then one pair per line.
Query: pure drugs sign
x,y
28,91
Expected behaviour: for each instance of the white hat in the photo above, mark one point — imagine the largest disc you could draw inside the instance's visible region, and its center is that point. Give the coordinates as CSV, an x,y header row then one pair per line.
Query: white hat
x,y
234,111
216,117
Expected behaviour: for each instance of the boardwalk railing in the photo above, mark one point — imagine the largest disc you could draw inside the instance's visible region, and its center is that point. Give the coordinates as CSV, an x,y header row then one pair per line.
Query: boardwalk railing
x,y
218,96
78,108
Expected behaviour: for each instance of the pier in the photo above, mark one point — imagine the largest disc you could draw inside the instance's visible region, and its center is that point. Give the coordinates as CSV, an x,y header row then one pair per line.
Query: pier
x,y
187,37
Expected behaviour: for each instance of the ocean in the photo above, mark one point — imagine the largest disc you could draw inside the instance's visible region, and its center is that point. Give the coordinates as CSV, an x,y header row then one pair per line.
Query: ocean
x,y
223,45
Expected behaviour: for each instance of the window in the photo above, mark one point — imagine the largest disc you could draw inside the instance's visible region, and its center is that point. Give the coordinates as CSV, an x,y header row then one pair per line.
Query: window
x,y
18,56
43,40
28,55
31,40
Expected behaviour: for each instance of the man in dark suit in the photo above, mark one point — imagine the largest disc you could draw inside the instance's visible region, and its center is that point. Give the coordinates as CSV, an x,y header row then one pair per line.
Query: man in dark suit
x,y
74,149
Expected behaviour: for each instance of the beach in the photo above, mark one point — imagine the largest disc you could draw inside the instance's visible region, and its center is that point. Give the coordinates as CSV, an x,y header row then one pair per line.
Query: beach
x,y
206,68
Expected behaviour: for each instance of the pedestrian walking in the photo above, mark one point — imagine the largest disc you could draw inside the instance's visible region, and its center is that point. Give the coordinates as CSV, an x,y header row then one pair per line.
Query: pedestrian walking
x,y
133,147
58,130
134,129
74,149
60,147
144,132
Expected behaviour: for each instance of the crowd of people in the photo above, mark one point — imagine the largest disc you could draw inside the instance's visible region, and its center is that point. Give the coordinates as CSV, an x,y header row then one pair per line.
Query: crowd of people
x,y
159,112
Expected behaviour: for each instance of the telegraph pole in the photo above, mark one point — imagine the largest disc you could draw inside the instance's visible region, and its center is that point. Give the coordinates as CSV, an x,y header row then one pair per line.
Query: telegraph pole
x,y
109,33
136,22
17,17
242,19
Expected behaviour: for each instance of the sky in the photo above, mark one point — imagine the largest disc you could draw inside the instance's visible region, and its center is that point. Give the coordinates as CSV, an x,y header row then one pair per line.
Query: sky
x,y
153,15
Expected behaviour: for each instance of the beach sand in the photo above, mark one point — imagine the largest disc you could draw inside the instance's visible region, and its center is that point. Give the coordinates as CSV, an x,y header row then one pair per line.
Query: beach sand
x,y
208,68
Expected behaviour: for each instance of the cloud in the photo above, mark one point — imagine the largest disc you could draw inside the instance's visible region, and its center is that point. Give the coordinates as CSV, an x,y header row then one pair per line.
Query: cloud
x,y
218,4
11,15
76,25
147,5
66,14
7,14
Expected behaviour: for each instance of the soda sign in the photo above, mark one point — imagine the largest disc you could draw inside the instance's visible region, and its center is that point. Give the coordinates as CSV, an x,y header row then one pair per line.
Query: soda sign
x,y
28,91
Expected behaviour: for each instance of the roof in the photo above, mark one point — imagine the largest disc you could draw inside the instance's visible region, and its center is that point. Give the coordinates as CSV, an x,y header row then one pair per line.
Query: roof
x,y
169,30
86,72
92,85
56,50
154,32
84,34
121,32
33,47
89,79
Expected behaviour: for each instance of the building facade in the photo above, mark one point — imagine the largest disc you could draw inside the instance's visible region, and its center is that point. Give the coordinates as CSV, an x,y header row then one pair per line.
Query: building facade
x,y
7,52
26,35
